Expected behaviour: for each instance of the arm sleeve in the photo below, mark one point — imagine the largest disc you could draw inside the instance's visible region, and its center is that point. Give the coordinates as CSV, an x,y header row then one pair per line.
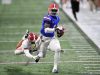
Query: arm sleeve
x,y
47,20
28,54
49,30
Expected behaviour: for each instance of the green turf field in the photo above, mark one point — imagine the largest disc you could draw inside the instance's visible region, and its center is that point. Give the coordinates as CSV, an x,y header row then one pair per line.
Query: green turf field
x,y
79,57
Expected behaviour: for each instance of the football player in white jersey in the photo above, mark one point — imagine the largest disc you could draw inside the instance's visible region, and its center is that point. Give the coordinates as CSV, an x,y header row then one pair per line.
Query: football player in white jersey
x,y
26,44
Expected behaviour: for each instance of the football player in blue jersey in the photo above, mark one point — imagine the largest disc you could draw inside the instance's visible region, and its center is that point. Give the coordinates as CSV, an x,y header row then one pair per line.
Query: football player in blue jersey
x,y
48,39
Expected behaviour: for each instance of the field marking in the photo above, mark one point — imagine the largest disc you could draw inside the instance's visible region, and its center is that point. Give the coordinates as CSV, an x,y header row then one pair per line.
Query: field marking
x,y
78,49
28,26
92,67
81,47
89,56
81,53
5,51
12,33
3,63
17,41
2,51
86,51
9,41
92,64
15,33
83,61
93,70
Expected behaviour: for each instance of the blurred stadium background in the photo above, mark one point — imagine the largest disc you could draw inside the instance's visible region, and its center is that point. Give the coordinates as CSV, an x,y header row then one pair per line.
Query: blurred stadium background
x,y
79,58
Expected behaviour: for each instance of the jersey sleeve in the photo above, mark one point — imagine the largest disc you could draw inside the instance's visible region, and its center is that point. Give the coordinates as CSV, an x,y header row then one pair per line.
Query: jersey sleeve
x,y
46,20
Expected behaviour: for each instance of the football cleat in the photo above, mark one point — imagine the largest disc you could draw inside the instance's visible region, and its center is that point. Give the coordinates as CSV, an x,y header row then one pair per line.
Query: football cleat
x,y
26,34
62,51
55,71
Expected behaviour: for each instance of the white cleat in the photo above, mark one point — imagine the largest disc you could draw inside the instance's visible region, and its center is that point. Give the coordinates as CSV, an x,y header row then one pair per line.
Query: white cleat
x,y
54,70
26,34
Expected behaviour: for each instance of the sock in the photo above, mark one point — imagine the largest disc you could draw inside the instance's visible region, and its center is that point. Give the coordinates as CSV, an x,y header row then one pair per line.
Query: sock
x,y
56,59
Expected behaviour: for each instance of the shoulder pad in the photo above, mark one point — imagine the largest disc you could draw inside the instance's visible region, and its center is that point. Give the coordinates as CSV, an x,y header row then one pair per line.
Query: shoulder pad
x,y
47,18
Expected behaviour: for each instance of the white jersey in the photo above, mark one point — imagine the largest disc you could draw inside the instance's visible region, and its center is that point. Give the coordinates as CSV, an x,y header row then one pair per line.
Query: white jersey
x,y
26,44
24,48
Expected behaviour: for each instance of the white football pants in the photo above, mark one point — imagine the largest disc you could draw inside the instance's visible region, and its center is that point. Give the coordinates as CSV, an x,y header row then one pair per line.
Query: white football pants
x,y
54,45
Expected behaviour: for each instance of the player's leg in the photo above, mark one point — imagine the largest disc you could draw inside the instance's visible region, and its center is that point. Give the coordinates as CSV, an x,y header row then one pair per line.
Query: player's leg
x,y
18,51
18,47
19,44
55,46
23,38
56,61
43,48
25,35
38,42
41,52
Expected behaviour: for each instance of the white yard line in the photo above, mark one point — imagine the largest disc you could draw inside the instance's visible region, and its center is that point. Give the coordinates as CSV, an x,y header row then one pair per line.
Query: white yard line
x,y
3,63
92,64
62,49
12,33
17,41
89,59
86,51
92,67
28,26
82,47
79,49
86,54
83,61
93,70
89,56
15,33
7,52
8,41
4,51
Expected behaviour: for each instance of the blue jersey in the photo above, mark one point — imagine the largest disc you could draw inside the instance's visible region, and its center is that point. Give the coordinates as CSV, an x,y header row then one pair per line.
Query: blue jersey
x,y
52,21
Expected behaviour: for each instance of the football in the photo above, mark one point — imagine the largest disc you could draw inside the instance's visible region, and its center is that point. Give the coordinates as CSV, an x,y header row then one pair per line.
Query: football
x,y
60,31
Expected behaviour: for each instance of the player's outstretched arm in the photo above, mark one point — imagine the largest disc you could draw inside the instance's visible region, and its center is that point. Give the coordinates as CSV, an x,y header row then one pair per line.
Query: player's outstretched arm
x,y
27,53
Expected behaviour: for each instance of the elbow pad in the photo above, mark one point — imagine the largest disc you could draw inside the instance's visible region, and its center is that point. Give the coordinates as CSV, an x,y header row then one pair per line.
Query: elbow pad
x,y
49,30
